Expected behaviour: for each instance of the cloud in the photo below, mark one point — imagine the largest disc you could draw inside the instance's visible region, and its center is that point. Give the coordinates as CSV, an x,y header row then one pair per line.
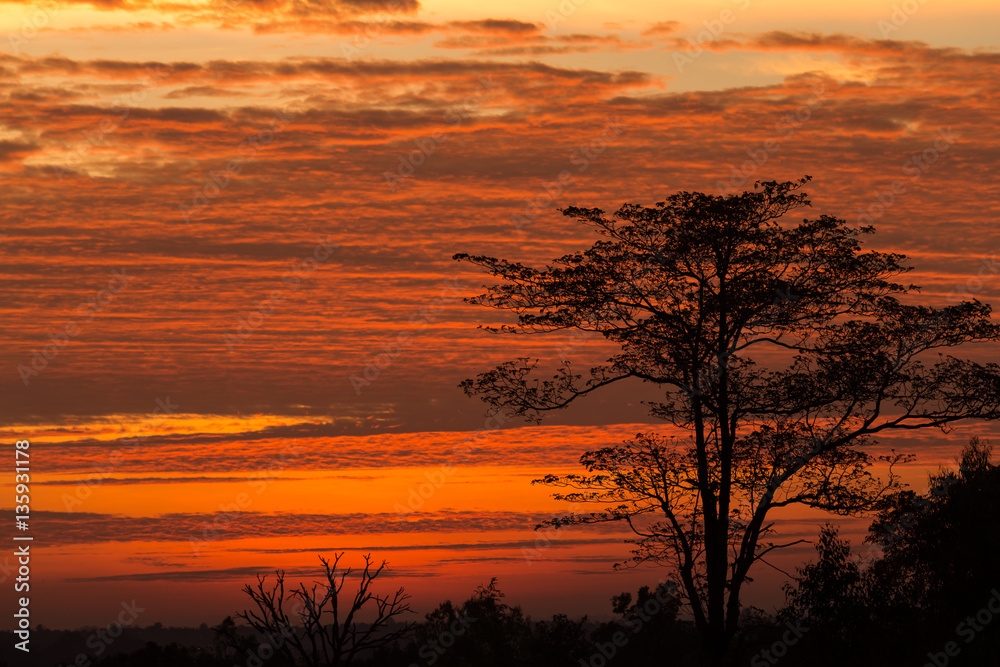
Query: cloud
x,y
202,530
126,28
662,28
186,575
498,26
200,91
480,141
363,30
16,150
453,546
131,481
533,43
231,13
317,447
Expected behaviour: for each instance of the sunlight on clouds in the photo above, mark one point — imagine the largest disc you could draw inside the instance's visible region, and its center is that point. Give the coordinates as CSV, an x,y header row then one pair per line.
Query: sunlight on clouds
x,y
791,64
115,427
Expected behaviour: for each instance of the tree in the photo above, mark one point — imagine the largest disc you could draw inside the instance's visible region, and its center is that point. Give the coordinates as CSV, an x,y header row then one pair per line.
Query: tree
x,y
939,559
830,599
327,632
777,350
484,630
936,571
650,627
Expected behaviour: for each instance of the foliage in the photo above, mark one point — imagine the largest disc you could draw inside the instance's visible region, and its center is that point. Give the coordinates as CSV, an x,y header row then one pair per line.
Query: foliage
x,y
780,350
938,570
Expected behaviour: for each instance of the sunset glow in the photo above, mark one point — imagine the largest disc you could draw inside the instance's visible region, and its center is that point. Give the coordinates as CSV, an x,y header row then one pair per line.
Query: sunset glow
x,y
232,328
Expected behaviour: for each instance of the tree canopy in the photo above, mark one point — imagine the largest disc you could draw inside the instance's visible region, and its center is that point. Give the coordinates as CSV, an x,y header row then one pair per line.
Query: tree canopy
x,y
777,351
935,575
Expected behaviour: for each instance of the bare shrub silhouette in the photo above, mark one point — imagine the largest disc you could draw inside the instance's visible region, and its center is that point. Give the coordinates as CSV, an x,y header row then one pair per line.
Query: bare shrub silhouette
x,y
316,625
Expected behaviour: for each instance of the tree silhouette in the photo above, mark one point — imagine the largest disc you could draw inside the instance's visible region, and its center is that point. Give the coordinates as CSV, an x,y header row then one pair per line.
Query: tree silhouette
x,y
777,350
650,625
313,626
484,631
829,598
939,562
937,570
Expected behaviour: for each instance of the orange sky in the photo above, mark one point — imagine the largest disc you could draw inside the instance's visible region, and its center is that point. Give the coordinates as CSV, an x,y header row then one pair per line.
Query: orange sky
x,y
227,227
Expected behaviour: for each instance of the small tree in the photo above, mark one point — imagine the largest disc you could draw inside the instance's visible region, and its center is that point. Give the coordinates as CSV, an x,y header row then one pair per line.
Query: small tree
x,y
829,598
484,631
777,350
319,629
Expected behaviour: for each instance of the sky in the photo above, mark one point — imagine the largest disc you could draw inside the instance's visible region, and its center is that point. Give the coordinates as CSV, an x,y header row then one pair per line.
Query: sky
x,y
231,326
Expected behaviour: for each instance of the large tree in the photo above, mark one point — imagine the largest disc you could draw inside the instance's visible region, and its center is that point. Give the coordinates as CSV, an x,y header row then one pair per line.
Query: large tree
x,y
778,350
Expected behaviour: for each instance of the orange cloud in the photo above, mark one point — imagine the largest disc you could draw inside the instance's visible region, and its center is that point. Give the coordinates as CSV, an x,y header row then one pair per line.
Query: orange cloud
x,y
405,163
